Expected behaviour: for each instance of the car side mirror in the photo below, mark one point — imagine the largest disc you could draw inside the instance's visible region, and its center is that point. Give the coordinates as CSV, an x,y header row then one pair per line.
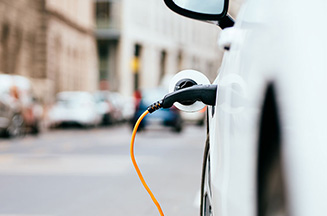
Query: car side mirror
x,y
209,10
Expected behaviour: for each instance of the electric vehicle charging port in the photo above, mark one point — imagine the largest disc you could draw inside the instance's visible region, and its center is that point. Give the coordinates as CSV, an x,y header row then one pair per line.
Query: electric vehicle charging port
x,y
184,83
187,96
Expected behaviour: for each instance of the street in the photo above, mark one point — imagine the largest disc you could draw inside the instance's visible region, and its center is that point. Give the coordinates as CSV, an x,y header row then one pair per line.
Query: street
x,y
87,172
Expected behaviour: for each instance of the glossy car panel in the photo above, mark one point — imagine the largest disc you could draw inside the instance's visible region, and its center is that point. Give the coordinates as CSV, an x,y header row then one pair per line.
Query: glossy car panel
x,y
281,46
268,54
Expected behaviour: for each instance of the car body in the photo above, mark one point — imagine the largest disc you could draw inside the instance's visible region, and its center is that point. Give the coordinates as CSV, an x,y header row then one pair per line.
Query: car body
x,y
19,110
11,120
105,107
164,117
266,150
118,104
128,108
77,107
113,107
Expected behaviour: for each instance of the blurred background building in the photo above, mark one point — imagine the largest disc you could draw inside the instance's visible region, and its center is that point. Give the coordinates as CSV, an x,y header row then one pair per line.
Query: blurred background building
x,y
142,42
117,45
51,42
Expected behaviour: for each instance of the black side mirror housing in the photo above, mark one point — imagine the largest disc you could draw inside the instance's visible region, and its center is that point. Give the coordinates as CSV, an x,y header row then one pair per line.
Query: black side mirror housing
x,y
214,11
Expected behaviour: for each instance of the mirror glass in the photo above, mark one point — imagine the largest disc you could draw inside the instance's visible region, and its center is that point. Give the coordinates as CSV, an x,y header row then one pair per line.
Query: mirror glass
x,y
211,7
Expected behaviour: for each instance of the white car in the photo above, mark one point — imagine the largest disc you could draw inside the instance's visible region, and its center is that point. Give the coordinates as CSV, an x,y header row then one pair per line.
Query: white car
x,y
266,152
74,107
20,112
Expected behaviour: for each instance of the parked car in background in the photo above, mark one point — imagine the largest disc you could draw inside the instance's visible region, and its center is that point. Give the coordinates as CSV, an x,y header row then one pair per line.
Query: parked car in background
x,y
11,119
128,109
112,107
20,112
117,102
105,107
164,117
74,107
197,118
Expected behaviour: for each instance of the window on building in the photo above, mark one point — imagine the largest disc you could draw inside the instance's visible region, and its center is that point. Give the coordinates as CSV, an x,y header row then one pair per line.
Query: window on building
x,y
103,60
4,47
108,13
180,61
163,57
103,14
136,65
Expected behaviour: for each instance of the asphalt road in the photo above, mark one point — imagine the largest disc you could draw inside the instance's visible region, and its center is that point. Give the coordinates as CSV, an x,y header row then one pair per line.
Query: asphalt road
x,y
89,172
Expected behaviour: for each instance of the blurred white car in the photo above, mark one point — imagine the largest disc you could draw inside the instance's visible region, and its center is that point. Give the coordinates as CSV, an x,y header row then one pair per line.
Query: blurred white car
x,y
113,107
74,107
117,102
105,107
128,108
266,150
19,110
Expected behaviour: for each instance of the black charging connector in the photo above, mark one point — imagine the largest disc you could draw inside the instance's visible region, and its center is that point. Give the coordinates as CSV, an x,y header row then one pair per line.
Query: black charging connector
x,y
187,96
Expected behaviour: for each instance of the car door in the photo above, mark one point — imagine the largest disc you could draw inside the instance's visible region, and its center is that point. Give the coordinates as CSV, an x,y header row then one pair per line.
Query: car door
x,y
234,120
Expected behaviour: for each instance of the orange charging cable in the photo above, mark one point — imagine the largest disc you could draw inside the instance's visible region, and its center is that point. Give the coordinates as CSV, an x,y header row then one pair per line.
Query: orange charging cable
x,y
137,168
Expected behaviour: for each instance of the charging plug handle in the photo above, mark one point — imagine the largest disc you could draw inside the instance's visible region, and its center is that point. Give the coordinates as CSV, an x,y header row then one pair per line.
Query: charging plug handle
x,y
186,96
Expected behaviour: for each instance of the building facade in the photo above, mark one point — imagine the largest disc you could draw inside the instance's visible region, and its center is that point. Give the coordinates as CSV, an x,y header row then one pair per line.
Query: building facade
x,y
51,42
71,46
21,37
108,34
142,42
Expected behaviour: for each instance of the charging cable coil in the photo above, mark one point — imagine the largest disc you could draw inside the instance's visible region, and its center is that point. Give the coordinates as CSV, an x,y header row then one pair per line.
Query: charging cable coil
x,y
187,96
136,166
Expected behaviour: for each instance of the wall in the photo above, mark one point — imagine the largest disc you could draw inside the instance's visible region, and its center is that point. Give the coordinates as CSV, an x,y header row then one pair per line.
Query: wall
x,y
20,37
72,56
51,42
